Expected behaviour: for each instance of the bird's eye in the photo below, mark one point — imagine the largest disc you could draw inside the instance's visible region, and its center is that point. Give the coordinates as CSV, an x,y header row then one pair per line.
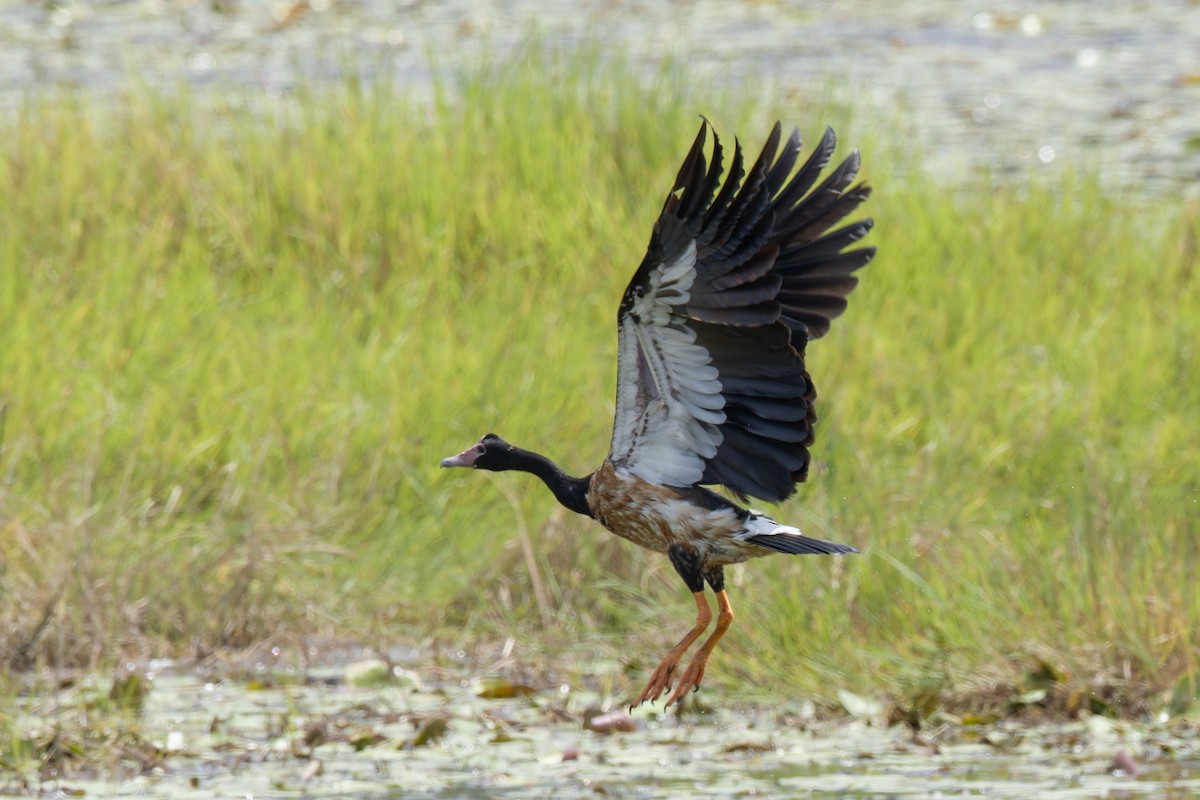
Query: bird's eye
x,y
479,449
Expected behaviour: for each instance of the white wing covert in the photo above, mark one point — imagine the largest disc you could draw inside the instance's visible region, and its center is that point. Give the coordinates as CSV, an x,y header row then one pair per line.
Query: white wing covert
x,y
669,396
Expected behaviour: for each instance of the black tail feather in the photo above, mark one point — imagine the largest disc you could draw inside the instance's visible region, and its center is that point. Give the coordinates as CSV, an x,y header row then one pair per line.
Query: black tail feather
x,y
801,545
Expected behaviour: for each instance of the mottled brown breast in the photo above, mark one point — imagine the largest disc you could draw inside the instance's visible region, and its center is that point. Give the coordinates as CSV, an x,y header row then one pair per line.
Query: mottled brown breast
x,y
657,517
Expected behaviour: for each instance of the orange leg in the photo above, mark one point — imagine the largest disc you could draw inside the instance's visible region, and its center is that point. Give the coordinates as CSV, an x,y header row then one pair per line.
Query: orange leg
x,y
660,681
695,671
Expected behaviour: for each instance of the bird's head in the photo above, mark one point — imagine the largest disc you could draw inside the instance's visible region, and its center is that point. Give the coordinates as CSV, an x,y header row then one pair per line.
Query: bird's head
x,y
491,452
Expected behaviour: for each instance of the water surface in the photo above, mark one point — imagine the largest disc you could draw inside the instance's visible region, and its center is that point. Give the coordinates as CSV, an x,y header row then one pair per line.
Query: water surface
x,y
428,735
998,86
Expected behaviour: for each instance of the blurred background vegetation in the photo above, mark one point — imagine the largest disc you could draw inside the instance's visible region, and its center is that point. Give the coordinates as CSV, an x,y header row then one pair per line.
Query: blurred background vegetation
x,y
234,344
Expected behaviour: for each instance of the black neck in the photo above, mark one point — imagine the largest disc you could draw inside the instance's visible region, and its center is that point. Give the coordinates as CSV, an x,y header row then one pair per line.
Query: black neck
x,y
571,492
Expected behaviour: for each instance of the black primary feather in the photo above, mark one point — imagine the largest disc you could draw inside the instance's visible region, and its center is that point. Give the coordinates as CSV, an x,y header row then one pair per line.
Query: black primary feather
x,y
771,273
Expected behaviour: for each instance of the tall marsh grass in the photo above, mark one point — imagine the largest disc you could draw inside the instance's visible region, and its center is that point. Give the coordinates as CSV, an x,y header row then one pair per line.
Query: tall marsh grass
x,y
235,341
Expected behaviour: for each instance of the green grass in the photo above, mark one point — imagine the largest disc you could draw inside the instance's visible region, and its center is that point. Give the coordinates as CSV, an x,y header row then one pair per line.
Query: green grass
x,y
236,343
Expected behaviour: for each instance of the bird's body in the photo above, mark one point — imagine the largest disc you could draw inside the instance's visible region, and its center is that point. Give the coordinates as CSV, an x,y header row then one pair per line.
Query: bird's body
x,y
712,387
661,517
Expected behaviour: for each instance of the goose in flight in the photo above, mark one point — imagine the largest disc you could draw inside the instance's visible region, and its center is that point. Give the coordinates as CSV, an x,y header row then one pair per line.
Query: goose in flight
x,y
712,388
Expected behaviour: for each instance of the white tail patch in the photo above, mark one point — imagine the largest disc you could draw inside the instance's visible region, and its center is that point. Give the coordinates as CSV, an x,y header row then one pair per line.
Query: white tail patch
x,y
760,525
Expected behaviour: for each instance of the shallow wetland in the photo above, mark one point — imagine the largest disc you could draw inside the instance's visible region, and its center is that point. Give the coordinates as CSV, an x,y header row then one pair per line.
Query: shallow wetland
x,y
446,733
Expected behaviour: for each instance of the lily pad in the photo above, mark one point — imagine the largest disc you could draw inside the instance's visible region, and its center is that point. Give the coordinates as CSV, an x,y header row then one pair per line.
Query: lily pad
x,y
612,722
503,689
430,731
860,707
369,672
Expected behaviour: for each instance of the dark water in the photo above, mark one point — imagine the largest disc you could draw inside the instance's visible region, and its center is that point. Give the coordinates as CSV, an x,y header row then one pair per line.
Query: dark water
x,y
978,86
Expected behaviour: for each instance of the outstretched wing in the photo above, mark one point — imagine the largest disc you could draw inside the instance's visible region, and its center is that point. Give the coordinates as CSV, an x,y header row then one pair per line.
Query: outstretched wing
x,y
711,383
